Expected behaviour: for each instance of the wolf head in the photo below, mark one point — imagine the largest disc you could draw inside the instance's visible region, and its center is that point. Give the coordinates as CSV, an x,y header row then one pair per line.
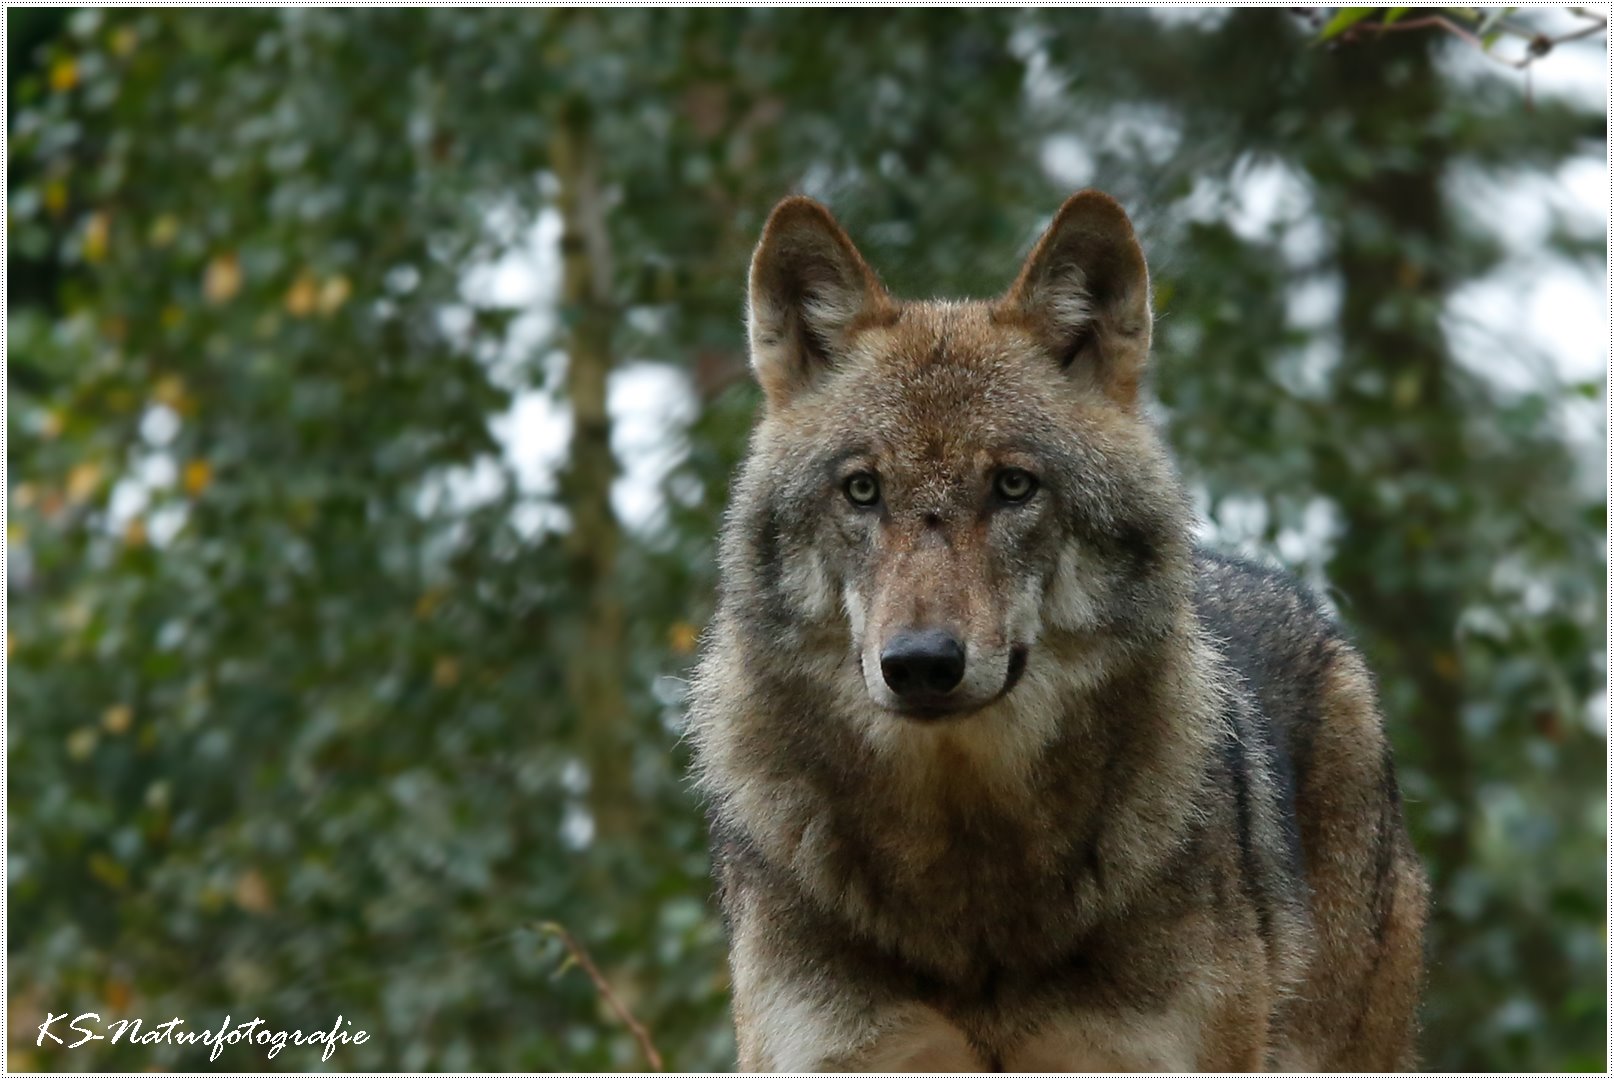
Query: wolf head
x,y
950,502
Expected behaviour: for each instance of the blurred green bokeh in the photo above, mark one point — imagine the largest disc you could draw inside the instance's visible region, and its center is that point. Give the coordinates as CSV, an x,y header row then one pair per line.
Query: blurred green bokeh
x,y
326,692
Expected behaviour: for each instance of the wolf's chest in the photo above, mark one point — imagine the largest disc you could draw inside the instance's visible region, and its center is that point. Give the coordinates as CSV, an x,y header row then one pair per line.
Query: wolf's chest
x,y
959,900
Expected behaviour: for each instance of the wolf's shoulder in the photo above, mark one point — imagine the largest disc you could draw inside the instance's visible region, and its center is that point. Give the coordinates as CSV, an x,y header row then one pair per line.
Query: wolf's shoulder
x,y
1240,598
1285,647
1271,627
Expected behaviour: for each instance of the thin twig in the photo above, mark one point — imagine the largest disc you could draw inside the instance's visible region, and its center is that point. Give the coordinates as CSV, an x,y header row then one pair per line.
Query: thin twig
x,y
1598,23
582,959
1427,22
1539,45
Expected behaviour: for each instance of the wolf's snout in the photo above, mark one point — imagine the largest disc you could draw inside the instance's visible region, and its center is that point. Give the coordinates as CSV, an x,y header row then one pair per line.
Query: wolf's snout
x,y
922,663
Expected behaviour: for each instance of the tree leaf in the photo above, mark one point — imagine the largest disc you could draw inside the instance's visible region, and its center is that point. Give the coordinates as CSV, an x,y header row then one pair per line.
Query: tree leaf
x,y
1492,20
1343,20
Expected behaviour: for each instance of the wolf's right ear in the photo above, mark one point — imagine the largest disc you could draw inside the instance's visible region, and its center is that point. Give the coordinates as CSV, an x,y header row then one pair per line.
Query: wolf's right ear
x,y
809,290
1084,291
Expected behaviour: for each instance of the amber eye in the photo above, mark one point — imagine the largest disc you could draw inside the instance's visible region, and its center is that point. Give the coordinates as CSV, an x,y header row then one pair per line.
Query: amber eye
x,y
863,489
1014,485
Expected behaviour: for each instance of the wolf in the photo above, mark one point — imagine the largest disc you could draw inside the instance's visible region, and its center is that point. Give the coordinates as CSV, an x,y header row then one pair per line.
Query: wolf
x,y
1002,771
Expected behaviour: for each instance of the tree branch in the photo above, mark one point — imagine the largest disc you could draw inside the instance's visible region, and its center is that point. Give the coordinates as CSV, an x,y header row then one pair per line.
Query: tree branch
x,y
1538,45
581,958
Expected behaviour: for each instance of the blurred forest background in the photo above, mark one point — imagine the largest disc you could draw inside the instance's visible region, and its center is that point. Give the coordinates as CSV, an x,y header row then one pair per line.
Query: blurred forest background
x,y
374,383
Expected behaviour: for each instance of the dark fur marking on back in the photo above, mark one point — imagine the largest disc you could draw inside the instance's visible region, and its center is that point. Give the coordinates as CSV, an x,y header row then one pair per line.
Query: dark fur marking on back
x,y
1235,757
1386,843
1274,633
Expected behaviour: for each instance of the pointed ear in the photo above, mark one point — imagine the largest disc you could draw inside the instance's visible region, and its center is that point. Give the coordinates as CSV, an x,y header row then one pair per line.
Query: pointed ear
x,y
1084,292
810,289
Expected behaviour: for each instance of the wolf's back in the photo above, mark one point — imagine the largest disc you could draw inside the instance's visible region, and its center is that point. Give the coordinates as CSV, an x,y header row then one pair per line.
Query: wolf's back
x,y
1326,746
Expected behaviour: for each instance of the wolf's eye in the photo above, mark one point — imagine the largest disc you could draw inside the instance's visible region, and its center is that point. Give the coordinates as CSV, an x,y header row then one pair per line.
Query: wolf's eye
x,y
863,489
1014,485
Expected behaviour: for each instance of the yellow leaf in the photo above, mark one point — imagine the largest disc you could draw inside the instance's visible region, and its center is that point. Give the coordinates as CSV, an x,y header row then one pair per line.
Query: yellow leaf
x,y
73,617
63,74
108,872
163,230
117,718
116,994
222,279
56,197
252,893
429,601
82,481
134,533
23,497
53,423
198,475
302,297
81,743
170,391
681,638
16,533
124,40
1406,390
97,235
334,293
446,671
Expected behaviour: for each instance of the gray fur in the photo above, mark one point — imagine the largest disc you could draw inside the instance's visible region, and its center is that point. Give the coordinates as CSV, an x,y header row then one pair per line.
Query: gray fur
x,y
1105,858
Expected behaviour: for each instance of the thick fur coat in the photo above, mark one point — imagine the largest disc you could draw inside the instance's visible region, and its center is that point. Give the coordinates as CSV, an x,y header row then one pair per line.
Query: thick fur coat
x,y
1003,772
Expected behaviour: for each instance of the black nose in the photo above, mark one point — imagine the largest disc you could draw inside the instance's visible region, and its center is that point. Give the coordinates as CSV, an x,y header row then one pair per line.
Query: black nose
x,y
916,663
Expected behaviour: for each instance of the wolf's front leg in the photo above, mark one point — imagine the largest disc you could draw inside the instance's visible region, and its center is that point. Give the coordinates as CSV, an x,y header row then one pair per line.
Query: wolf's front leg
x,y
1206,1025
795,1011
777,1034
780,1035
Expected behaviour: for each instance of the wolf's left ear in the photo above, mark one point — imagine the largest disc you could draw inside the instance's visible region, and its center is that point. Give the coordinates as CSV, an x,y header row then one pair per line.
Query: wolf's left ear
x,y
809,290
1084,292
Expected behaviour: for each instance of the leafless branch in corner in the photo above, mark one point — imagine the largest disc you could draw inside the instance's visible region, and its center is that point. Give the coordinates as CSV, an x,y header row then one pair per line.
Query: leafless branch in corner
x,y
1537,45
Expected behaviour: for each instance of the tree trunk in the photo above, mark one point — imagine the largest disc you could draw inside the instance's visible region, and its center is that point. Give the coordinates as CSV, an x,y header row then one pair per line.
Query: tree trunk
x,y
1397,563
598,675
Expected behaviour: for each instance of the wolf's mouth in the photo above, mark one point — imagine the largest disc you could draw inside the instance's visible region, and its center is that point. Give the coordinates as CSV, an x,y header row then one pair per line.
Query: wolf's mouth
x,y
1017,667
941,710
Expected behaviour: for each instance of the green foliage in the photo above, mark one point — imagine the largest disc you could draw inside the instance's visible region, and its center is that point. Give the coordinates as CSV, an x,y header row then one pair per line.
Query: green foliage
x,y
1480,27
1343,20
291,732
